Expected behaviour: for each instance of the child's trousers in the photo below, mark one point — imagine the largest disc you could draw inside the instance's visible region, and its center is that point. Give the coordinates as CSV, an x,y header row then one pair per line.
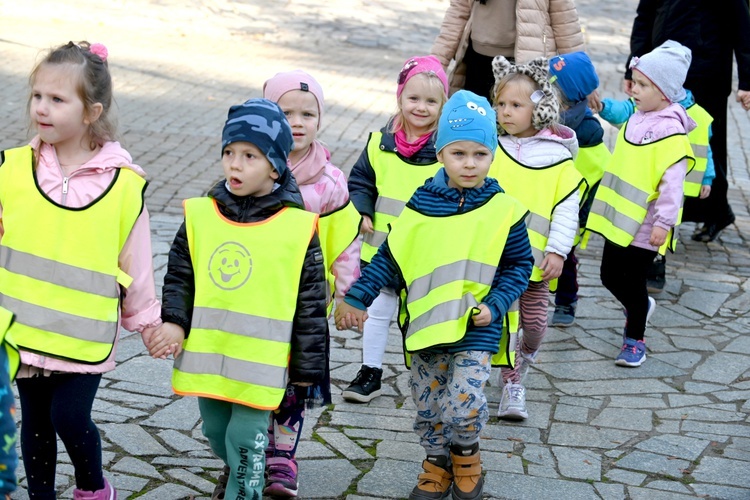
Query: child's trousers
x,y
624,272
238,435
448,390
375,330
533,313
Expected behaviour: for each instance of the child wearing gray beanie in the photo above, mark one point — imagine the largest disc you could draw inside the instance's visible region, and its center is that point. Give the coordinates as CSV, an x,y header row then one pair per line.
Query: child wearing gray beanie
x,y
637,205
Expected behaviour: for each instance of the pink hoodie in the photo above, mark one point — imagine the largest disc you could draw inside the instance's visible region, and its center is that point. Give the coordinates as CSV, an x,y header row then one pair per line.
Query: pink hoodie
x,y
139,309
324,189
643,128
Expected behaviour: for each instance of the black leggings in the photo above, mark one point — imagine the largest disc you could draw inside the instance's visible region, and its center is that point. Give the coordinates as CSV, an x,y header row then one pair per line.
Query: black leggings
x,y
59,404
623,273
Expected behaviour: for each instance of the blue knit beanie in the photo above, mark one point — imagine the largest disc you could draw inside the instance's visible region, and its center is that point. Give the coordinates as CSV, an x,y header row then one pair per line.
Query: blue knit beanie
x,y
467,117
262,123
574,75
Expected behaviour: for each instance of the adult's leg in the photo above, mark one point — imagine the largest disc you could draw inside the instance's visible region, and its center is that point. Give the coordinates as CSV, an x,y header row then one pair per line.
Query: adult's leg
x,y
479,76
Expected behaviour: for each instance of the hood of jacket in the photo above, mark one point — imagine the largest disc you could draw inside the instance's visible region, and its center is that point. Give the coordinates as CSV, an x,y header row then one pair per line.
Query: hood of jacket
x,y
643,128
548,146
112,155
436,198
251,208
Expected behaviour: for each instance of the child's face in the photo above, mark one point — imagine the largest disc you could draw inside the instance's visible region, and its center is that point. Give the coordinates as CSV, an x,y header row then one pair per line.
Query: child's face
x,y
647,96
301,110
420,104
247,170
514,109
56,110
466,163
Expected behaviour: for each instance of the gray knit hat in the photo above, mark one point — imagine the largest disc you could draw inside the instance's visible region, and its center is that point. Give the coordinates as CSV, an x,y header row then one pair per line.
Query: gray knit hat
x,y
666,66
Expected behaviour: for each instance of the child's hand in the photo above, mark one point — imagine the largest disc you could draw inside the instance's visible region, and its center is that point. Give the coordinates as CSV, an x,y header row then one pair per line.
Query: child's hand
x,y
595,101
148,334
705,191
366,226
347,316
658,236
167,340
552,266
483,317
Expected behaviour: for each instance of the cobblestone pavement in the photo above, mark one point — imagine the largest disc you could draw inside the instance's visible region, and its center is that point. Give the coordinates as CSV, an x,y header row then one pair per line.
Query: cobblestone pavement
x,y
675,428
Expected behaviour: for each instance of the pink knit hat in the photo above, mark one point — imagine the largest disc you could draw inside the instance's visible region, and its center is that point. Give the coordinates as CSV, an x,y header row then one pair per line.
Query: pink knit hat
x,y
415,65
281,83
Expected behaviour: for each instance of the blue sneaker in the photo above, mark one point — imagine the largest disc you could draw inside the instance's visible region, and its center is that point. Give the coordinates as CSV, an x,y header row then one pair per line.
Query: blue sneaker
x,y
633,353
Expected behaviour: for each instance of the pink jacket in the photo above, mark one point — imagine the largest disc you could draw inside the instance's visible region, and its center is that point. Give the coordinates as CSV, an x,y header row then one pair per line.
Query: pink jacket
x,y
324,189
643,128
139,309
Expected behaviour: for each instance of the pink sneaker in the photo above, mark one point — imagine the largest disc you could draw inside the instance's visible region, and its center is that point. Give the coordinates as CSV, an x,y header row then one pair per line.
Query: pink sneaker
x,y
282,478
106,493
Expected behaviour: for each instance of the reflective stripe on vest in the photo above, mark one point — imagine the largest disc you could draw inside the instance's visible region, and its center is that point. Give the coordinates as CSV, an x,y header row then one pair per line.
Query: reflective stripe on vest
x,y
699,137
396,181
14,359
246,284
527,184
443,288
336,230
625,192
65,297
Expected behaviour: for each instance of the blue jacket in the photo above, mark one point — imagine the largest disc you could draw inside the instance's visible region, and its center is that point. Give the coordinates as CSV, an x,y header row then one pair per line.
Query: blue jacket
x,y
589,131
8,455
511,278
617,112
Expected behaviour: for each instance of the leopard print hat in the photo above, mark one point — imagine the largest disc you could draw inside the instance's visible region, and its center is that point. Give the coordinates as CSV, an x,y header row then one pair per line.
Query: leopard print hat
x,y
546,105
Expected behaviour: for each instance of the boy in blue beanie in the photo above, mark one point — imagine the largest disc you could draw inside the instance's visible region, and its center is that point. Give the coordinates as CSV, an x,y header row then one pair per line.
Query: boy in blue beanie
x,y
461,252
245,280
698,181
575,77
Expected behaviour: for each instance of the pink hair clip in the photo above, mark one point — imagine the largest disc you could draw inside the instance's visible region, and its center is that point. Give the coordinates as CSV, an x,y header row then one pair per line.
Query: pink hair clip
x,y
635,60
100,50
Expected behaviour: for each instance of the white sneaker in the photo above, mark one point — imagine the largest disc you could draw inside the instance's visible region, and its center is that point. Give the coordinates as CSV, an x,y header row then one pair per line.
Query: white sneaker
x,y
513,402
651,307
526,361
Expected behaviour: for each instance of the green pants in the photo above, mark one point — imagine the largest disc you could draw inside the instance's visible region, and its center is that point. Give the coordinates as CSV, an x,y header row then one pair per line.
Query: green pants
x,y
238,435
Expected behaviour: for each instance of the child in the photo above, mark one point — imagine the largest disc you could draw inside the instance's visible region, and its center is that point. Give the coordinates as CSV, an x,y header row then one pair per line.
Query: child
x,y
534,164
697,182
575,77
459,248
76,263
9,361
638,201
324,191
245,279
395,162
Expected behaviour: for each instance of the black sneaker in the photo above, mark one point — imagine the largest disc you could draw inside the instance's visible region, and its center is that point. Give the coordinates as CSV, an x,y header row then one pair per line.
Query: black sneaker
x,y
366,385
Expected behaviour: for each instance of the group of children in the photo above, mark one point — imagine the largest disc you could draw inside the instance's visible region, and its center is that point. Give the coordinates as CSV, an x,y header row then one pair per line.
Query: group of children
x,y
469,213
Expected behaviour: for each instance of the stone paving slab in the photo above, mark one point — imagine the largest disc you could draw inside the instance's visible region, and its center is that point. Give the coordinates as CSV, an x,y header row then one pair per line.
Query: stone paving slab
x,y
678,427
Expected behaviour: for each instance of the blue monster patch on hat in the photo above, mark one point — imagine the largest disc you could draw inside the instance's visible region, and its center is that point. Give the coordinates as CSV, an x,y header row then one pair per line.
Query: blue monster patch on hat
x,y
260,122
467,117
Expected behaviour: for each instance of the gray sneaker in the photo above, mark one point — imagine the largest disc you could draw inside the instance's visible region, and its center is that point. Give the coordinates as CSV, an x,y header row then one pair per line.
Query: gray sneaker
x,y
513,402
564,315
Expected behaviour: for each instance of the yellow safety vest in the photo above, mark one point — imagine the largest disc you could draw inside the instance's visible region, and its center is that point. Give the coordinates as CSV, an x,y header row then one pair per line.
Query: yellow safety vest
x,y
59,268
444,288
631,183
699,142
506,354
396,182
337,230
14,359
532,187
591,162
246,285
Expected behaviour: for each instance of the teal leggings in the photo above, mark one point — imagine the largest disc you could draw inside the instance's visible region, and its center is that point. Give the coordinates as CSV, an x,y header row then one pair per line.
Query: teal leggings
x,y
238,435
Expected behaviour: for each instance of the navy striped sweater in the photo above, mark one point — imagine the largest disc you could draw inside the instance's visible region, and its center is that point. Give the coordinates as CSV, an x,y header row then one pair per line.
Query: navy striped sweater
x,y
511,278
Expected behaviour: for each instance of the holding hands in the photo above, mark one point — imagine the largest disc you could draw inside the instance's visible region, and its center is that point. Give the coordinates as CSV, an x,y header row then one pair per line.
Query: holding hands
x,y
164,340
347,316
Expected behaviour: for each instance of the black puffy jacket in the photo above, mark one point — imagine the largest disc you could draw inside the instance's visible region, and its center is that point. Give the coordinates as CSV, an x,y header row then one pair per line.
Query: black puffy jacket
x,y
310,326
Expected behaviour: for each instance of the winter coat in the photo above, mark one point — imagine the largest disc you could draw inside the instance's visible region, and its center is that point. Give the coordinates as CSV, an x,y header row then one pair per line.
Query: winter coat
x,y
324,190
643,128
309,352
543,28
139,308
511,277
541,150
713,32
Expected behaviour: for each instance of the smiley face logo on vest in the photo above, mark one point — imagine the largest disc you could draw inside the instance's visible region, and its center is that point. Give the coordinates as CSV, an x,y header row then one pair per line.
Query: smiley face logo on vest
x,y
230,266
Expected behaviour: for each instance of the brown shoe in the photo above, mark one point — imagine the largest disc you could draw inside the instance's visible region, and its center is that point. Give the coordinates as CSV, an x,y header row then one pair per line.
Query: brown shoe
x,y
435,482
467,472
221,484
